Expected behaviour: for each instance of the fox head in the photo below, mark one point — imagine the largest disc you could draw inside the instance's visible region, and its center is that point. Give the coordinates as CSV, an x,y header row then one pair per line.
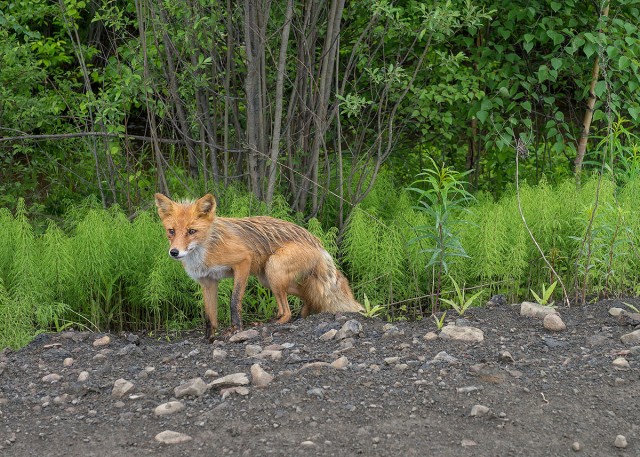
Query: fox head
x,y
187,224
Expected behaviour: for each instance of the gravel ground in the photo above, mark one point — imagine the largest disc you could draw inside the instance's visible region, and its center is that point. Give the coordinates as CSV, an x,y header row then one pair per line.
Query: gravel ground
x,y
374,388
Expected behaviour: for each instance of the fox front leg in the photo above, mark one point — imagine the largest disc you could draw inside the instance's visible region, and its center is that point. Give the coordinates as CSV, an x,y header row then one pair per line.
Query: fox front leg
x,y
210,296
240,278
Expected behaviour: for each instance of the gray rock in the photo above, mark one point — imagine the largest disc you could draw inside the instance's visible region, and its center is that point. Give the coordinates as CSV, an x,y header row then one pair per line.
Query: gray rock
x,y
194,387
631,338
598,339
121,387
219,354
244,336
505,357
270,354
466,334
51,378
239,390
443,357
349,329
554,343
328,335
252,350
536,310
316,392
497,300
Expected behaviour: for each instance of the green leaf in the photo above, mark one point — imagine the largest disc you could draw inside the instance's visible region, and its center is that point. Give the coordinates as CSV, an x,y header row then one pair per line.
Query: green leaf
x,y
624,62
528,47
600,89
555,6
543,73
590,49
526,106
556,63
482,116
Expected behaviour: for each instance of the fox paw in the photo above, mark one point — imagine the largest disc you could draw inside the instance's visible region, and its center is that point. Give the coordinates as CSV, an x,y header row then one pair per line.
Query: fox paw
x,y
230,331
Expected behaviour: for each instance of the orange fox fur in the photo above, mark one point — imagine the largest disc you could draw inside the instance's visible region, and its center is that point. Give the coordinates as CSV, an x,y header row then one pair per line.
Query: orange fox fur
x,y
283,256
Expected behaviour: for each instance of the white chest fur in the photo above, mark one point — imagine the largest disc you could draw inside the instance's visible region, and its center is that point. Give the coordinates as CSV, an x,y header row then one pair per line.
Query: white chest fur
x,y
196,267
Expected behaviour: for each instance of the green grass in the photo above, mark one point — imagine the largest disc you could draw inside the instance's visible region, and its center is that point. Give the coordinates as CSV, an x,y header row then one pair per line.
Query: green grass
x,y
98,269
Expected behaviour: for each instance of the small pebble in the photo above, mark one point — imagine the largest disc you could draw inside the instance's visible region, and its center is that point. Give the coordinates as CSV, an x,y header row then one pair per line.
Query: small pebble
x,y
620,442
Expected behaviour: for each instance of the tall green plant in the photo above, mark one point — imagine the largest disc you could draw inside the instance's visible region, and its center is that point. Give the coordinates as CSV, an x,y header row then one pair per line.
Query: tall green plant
x,y
443,198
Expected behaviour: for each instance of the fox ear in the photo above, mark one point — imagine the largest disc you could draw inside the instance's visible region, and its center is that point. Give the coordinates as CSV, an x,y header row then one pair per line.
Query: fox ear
x,y
164,204
207,205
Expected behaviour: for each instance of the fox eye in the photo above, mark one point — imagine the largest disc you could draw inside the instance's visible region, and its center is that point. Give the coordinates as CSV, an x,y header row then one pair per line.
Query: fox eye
x,y
171,232
191,231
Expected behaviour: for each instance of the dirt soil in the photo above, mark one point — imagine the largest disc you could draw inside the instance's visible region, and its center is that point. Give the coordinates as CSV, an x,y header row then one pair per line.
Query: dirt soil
x,y
394,392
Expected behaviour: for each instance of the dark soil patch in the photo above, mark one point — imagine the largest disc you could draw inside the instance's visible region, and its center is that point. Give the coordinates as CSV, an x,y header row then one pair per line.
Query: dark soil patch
x,y
559,389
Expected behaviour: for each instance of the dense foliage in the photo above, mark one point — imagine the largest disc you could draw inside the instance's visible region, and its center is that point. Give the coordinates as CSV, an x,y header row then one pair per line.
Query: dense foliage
x,y
101,270
324,113
117,98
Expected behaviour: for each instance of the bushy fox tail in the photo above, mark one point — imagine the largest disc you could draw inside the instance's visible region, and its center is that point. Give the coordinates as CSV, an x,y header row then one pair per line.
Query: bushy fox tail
x,y
327,290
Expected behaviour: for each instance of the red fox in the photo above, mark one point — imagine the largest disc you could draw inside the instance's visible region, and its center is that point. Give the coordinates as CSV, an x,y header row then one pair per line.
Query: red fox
x,y
283,256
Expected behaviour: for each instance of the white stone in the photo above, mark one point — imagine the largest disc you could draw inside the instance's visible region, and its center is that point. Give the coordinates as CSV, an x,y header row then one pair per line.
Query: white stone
x,y
621,363
83,376
121,387
535,310
235,379
168,408
194,387
244,336
53,377
102,341
631,338
479,410
252,350
259,377
430,336
340,363
615,312
553,322
620,442
219,355
234,390
171,437
466,334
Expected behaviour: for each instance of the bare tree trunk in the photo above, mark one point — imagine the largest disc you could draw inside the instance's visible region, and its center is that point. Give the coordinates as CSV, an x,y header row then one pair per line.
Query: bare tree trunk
x,y
170,72
321,104
252,90
157,153
277,122
588,115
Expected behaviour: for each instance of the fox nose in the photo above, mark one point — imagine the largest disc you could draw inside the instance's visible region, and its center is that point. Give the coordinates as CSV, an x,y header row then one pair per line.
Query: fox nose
x,y
174,252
